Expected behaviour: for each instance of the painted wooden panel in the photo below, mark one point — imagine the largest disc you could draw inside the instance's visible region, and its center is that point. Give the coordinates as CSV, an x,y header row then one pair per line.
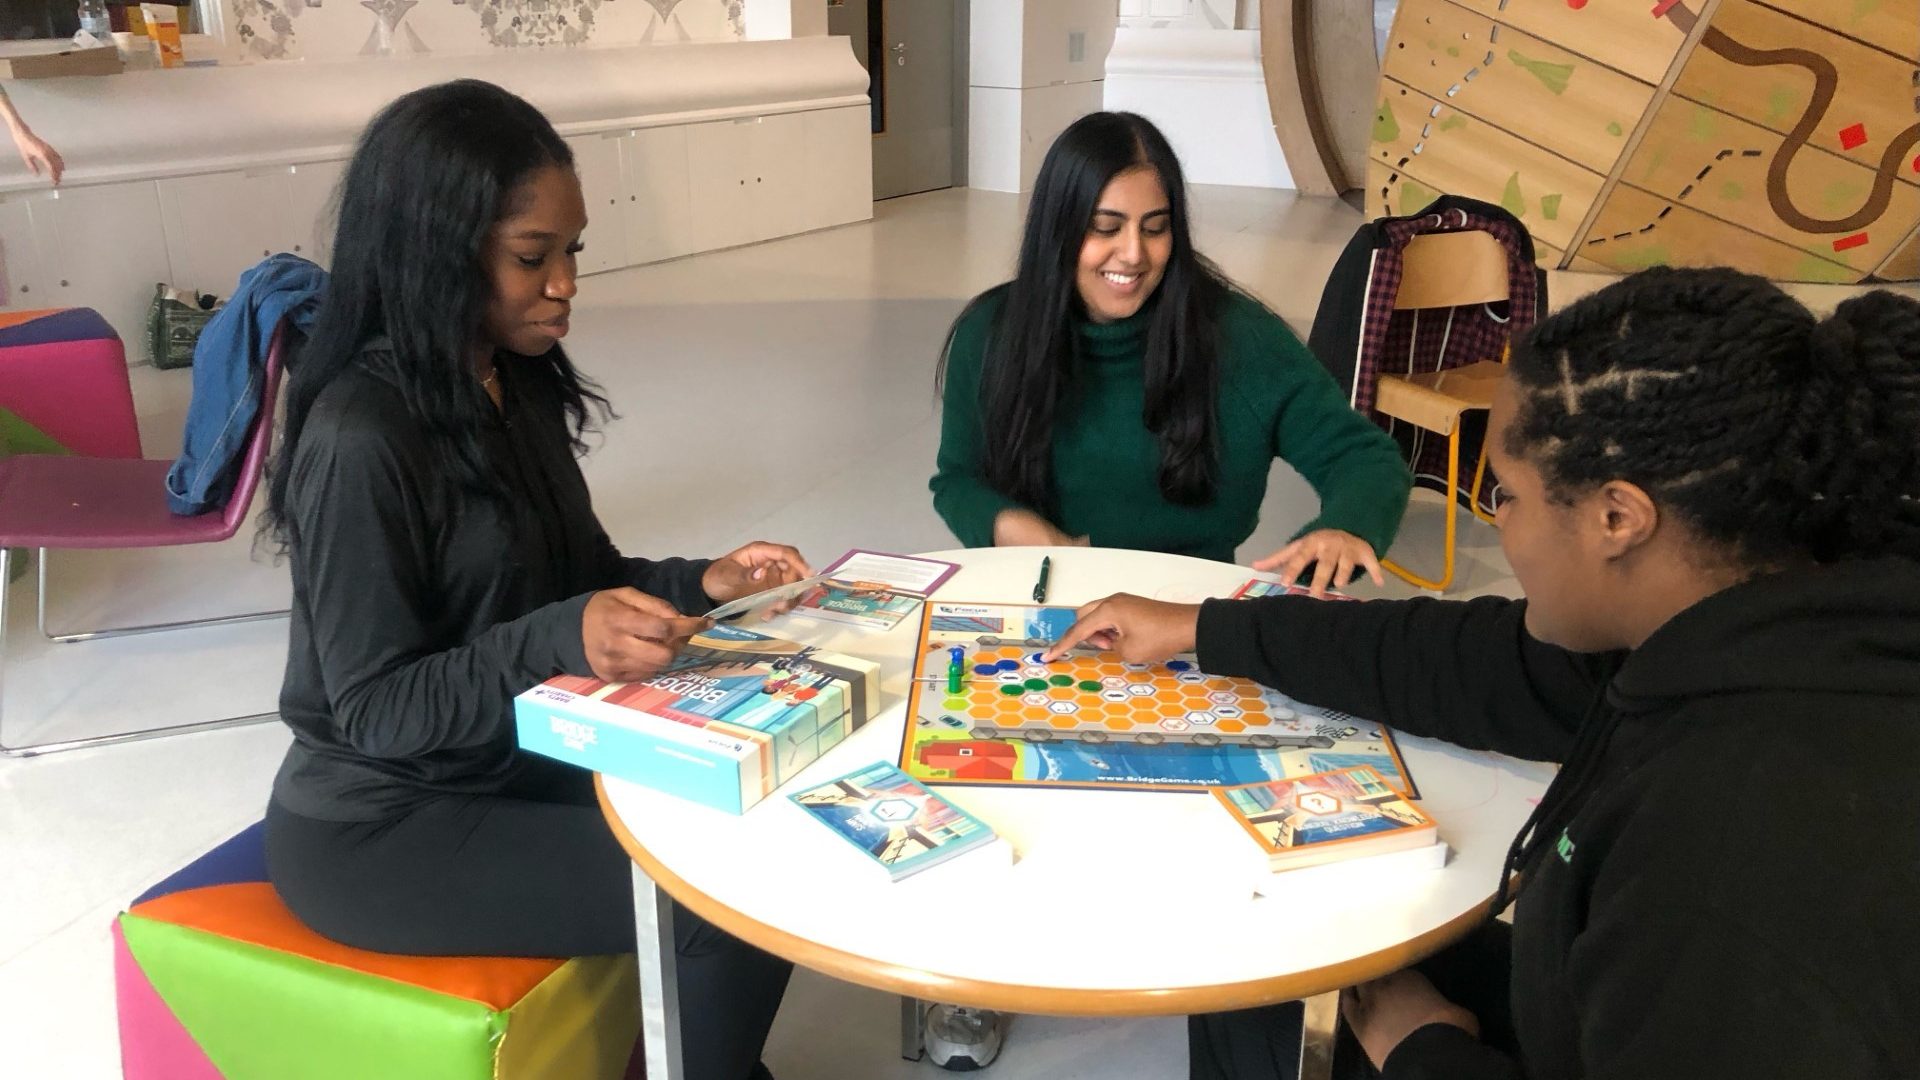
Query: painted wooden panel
x,y
1534,89
1893,25
1904,265
1636,229
1870,117
1613,32
1719,165
1790,134
1460,155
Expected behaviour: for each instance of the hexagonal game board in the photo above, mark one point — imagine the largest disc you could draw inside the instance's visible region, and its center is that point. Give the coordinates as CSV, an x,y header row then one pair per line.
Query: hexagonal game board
x,y
1091,719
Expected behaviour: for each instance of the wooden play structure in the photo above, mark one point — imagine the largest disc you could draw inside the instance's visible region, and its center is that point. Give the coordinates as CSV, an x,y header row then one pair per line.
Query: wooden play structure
x,y
1778,136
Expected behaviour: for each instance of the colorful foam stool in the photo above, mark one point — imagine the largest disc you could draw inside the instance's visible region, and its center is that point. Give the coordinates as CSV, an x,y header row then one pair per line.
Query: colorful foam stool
x,y
63,380
63,388
216,980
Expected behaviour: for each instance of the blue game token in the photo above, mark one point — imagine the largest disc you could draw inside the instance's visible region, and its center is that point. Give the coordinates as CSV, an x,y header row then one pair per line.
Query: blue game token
x,y
1007,665
986,669
1036,658
1179,665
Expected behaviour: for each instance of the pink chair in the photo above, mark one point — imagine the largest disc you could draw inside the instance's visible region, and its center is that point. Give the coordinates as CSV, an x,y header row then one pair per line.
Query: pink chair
x,y
51,501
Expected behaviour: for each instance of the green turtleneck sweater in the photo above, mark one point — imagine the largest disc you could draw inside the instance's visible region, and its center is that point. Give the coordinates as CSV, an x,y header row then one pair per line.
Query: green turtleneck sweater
x,y
1275,401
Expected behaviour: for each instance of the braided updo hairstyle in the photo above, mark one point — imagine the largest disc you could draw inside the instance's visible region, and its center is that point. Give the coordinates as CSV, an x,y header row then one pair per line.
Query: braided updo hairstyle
x,y
1773,435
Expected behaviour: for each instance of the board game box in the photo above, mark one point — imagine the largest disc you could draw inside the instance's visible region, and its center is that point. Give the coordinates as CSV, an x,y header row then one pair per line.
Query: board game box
x,y
1093,720
736,715
893,819
1326,817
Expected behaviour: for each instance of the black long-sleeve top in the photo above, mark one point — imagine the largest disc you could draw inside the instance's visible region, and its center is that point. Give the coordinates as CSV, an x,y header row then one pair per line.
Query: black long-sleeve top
x,y
1729,860
420,608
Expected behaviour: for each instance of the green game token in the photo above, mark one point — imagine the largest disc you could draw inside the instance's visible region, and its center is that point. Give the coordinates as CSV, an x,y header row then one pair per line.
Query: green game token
x,y
956,704
1013,689
1090,687
1061,680
1034,684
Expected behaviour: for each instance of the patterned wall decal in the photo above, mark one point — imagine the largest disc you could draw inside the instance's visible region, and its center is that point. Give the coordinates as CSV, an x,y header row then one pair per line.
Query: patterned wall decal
x,y
389,36
265,27
512,24
286,29
1788,145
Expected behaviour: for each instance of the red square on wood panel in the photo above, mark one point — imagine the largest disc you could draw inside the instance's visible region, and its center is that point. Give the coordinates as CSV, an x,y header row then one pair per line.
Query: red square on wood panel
x,y
1851,137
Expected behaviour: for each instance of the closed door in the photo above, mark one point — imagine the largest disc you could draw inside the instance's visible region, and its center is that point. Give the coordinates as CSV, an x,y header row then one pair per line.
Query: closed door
x,y
220,224
777,176
718,157
659,207
910,60
596,161
105,249
311,210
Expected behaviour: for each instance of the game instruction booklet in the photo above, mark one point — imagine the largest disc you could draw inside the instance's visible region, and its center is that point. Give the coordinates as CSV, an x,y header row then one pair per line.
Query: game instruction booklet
x,y
872,589
894,819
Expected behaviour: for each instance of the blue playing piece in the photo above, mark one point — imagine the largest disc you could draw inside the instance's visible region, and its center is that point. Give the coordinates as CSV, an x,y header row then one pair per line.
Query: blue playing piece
x,y
986,669
1179,665
959,655
1007,665
1037,658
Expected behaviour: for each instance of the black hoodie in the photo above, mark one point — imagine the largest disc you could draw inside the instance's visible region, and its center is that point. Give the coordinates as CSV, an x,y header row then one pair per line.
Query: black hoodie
x,y
1724,879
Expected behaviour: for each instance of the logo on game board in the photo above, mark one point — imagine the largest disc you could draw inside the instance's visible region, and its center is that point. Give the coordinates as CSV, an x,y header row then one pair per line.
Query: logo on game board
x,y
1317,803
892,810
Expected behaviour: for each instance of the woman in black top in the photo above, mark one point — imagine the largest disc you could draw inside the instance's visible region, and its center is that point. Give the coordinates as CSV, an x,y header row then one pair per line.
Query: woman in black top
x,y
1714,508
446,557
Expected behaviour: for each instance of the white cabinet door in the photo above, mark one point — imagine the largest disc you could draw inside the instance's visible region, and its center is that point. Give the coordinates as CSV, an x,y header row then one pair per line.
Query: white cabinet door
x,y
104,249
654,181
27,284
777,176
311,209
596,160
840,165
717,178
220,224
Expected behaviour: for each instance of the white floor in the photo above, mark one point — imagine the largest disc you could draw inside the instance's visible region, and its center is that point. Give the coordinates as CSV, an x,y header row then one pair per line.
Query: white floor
x,y
783,391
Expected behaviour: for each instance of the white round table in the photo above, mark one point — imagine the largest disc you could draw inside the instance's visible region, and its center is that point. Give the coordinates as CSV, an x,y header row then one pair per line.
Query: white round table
x,y
1116,903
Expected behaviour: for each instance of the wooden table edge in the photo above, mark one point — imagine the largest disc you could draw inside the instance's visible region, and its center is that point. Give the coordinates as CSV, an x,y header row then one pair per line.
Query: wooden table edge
x,y
1020,998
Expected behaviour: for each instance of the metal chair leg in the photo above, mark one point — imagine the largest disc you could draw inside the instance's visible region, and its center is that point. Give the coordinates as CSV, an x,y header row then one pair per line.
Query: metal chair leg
x,y
1479,478
58,746
148,628
1453,493
913,1019
1319,1027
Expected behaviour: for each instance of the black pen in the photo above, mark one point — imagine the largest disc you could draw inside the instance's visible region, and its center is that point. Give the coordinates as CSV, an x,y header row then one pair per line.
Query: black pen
x,y
1040,587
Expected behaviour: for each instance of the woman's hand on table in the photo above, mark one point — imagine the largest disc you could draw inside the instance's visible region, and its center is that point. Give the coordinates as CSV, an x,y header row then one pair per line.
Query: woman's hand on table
x,y
1142,631
629,635
1385,1011
757,567
1024,528
1333,554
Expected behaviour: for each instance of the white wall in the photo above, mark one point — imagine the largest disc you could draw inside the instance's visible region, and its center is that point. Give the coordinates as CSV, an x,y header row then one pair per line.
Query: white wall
x,y
1194,14
1035,67
1206,91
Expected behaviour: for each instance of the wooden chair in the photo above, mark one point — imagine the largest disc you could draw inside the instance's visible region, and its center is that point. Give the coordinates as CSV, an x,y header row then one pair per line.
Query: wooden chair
x,y
1444,270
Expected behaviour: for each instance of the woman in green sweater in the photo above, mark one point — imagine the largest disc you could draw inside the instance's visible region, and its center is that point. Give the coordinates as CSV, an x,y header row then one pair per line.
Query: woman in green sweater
x,y
1120,391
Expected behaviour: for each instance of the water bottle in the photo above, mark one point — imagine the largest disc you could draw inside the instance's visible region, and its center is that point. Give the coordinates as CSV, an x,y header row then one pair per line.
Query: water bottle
x,y
95,20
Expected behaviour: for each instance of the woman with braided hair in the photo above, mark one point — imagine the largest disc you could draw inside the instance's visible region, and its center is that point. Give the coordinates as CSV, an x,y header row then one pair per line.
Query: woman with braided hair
x,y
1713,511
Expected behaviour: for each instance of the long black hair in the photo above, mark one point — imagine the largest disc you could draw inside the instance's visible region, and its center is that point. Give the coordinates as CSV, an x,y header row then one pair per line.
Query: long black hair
x,y
1032,349
432,175
1776,436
